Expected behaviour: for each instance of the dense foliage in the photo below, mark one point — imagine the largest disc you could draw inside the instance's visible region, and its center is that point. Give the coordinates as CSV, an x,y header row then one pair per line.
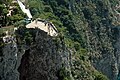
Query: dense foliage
x,y
72,18
16,14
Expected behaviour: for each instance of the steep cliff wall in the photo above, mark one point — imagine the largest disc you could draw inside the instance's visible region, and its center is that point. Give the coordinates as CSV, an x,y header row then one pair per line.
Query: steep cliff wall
x,y
43,58
87,47
10,60
40,59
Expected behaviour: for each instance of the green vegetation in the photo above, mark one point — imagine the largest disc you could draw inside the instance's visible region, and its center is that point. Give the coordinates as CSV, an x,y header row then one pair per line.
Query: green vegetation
x,y
74,19
4,29
3,14
16,14
64,74
100,76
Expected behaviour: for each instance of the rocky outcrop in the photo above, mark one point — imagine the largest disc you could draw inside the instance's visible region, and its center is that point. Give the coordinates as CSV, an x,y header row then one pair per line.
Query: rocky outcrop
x,y
10,61
91,33
40,60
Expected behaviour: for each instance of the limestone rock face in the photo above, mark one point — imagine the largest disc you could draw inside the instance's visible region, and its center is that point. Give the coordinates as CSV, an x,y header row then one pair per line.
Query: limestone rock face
x,y
38,56
42,60
39,61
9,62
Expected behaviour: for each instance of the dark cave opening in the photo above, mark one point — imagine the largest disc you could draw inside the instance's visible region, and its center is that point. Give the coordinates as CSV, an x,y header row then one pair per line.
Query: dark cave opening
x,y
23,68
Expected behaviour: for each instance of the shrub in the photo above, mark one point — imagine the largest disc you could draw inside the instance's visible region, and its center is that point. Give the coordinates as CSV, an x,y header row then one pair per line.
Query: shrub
x,y
64,74
100,76
77,46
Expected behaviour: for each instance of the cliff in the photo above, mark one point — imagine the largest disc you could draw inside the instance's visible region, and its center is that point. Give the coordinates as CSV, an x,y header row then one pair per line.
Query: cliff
x,y
86,48
40,59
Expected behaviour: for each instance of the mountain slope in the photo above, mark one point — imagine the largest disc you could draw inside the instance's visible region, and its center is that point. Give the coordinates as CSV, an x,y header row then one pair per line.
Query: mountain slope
x,y
87,47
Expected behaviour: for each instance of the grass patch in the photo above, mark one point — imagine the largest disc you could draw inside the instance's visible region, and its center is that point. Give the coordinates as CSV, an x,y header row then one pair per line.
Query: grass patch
x,y
8,28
